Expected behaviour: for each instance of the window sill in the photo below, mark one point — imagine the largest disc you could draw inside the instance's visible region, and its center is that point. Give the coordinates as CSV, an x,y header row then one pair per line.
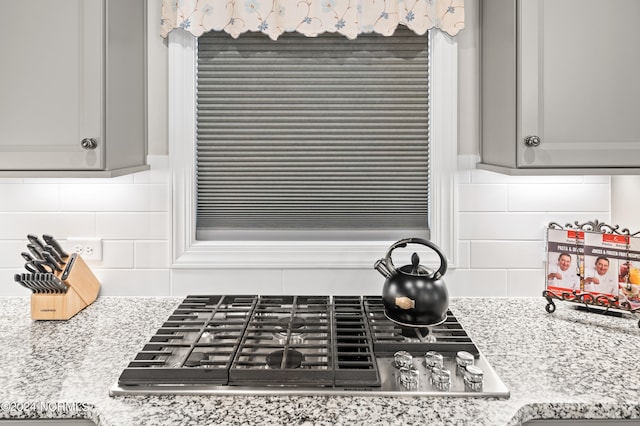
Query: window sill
x,y
288,254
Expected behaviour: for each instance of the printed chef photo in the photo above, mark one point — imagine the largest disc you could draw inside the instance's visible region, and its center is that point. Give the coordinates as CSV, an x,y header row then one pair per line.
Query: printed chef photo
x,y
601,275
563,271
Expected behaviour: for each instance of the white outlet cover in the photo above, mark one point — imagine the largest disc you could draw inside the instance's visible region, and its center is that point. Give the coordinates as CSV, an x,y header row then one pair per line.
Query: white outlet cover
x,y
90,248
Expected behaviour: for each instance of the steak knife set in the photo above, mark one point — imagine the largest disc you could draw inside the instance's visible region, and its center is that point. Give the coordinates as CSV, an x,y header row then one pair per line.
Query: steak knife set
x,y
61,284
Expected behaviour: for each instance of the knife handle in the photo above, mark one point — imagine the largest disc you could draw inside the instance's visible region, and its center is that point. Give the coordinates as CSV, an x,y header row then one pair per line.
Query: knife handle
x,y
51,261
33,239
56,245
26,256
53,252
35,251
38,265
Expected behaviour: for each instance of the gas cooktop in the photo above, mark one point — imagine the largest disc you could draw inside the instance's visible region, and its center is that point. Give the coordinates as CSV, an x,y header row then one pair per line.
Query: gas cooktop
x,y
243,344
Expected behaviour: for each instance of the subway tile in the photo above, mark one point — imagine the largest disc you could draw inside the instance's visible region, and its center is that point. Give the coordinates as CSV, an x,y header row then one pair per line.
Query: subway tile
x,y
10,288
133,282
29,197
10,253
501,226
464,254
465,164
507,254
332,281
152,254
124,179
225,281
559,198
463,177
158,173
116,198
133,226
484,176
476,283
526,283
597,179
482,198
115,254
59,224
517,225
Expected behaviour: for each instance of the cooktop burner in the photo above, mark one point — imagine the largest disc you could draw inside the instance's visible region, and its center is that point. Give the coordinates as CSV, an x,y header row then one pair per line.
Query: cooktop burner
x,y
289,358
303,344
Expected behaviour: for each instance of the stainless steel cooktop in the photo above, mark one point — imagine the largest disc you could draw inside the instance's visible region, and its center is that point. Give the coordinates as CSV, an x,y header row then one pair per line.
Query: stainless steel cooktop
x,y
305,345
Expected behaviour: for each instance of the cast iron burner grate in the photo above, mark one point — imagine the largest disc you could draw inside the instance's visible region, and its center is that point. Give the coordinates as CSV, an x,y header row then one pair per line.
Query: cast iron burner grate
x,y
297,329
195,345
282,341
388,337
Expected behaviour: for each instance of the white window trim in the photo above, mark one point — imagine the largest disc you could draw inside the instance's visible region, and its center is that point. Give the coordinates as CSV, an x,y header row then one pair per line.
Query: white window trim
x,y
187,252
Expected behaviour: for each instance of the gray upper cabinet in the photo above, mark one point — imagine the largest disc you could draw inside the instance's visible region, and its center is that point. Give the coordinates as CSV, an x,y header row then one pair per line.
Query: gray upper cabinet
x,y
560,86
73,88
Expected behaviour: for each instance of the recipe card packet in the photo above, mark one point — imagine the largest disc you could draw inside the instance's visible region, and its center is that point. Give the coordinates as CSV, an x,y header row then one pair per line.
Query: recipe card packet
x,y
603,256
564,253
630,275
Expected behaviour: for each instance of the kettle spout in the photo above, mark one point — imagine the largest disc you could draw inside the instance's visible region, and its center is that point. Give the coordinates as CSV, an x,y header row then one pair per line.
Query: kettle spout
x,y
382,267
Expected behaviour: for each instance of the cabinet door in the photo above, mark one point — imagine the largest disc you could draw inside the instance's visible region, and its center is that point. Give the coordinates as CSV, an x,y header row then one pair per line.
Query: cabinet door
x,y
50,85
578,83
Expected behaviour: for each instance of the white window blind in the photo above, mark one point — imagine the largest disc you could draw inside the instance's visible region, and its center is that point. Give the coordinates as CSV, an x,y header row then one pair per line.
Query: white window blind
x,y
312,137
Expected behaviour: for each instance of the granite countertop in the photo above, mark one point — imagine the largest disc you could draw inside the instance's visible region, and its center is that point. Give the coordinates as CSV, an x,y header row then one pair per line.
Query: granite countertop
x,y
569,364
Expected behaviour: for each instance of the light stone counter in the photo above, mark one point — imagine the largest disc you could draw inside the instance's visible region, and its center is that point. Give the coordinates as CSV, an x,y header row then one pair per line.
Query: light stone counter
x,y
569,364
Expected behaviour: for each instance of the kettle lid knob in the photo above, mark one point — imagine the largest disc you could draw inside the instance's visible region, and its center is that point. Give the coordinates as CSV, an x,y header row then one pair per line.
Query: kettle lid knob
x,y
415,262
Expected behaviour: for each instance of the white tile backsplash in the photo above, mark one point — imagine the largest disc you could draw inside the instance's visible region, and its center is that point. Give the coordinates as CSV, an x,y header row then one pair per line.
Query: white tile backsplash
x,y
133,282
482,198
18,197
135,226
226,281
116,254
517,226
525,283
482,176
583,197
506,254
114,198
501,230
152,254
16,225
464,254
341,282
477,283
10,253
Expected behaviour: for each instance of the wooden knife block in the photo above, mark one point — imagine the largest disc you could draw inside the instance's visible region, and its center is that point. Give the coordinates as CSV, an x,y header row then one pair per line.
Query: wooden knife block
x,y
82,290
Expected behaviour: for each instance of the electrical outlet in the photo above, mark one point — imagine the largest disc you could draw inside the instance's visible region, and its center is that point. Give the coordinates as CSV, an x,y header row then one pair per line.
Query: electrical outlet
x,y
88,248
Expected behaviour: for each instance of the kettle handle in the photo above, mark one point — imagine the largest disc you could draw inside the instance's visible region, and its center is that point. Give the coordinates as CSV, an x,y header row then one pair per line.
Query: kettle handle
x,y
403,243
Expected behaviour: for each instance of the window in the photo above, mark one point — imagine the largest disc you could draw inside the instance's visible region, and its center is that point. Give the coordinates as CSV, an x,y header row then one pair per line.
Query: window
x,y
190,251
312,138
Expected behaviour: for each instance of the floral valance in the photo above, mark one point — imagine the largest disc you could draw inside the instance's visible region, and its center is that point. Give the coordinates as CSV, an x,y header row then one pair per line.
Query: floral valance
x,y
311,17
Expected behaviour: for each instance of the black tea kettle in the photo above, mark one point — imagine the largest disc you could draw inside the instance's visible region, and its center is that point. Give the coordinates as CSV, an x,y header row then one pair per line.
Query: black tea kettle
x,y
412,295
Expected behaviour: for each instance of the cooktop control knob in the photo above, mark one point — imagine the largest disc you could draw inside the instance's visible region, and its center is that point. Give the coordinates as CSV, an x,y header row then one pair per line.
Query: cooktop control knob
x,y
463,359
403,359
473,377
441,378
433,359
409,376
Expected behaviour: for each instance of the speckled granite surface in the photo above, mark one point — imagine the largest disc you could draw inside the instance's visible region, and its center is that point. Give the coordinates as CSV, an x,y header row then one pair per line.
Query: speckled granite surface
x,y
569,364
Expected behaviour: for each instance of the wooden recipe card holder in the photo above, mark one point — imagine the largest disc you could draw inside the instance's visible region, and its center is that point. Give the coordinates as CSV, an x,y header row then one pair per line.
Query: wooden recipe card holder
x,y
82,290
